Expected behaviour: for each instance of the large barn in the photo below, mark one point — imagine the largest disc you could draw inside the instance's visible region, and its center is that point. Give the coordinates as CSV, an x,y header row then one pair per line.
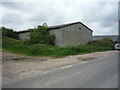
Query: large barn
x,y
66,34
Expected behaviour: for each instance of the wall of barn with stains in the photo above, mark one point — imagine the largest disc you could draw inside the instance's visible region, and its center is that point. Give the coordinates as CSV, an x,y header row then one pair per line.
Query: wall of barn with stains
x,y
76,34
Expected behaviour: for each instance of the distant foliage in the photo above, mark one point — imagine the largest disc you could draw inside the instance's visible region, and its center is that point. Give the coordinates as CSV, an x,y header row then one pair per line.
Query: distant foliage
x,y
108,39
40,35
6,32
105,42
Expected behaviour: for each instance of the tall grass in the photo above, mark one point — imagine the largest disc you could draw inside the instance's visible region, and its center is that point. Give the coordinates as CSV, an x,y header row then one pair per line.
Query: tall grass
x,y
17,46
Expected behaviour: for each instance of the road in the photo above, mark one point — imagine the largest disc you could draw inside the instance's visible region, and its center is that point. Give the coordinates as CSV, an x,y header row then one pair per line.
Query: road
x,y
99,73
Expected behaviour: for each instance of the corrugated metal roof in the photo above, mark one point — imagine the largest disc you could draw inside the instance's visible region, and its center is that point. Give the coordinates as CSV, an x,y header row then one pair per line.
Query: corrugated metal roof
x,y
23,31
57,26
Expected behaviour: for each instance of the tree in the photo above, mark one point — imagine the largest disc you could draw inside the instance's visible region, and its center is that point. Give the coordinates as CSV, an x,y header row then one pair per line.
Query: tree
x,y
6,32
40,35
45,25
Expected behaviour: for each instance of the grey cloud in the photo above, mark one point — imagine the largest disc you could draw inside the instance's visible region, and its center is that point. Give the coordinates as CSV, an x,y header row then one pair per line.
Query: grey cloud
x,y
13,5
102,12
22,15
108,24
13,19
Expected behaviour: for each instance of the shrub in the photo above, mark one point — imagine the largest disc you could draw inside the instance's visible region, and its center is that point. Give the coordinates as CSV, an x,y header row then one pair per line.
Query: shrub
x,y
105,42
40,35
6,41
16,46
6,32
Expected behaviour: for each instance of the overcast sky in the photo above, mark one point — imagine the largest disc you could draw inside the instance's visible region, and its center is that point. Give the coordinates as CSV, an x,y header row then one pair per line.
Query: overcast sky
x,y
101,17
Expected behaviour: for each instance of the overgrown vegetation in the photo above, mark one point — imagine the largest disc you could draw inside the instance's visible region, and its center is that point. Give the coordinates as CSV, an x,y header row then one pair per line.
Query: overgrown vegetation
x,y
17,46
39,35
6,32
40,43
105,42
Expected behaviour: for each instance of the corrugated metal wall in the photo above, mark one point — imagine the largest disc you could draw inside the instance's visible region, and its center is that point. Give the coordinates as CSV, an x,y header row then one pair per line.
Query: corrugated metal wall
x,y
75,34
23,36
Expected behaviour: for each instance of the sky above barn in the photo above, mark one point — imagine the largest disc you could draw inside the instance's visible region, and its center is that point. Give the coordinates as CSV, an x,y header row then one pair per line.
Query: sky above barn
x,y
100,16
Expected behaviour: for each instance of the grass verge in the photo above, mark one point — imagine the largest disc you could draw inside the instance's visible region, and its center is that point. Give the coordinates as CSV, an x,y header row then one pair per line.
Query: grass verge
x,y
16,46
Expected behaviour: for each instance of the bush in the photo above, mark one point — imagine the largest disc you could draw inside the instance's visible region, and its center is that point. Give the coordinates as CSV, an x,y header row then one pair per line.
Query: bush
x,y
16,46
6,41
6,32
40,35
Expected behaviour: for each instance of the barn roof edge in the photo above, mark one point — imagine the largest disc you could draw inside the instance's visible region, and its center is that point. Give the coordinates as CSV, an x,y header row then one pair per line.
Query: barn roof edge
x,y
57,26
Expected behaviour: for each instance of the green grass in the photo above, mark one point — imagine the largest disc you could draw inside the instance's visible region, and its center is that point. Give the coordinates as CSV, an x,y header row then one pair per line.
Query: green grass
x,y
17,46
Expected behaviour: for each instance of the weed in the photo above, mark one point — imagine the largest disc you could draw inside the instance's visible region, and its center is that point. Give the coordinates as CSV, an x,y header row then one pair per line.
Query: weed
x,y
16,46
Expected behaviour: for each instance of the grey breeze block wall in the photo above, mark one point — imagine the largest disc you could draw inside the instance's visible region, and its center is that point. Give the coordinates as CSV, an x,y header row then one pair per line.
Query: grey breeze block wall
x,y
66,35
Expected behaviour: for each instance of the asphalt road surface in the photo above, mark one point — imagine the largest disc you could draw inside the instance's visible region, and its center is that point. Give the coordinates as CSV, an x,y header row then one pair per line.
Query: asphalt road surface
x,y
99,73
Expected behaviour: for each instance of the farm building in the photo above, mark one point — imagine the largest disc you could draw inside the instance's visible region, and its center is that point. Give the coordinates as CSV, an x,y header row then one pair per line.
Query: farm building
x,y
66,34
